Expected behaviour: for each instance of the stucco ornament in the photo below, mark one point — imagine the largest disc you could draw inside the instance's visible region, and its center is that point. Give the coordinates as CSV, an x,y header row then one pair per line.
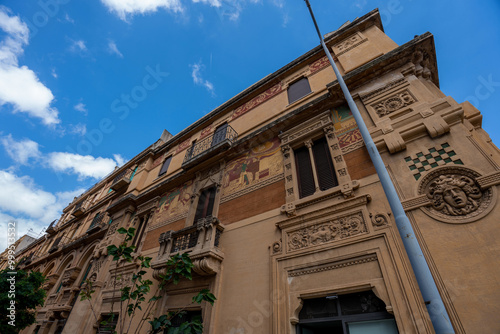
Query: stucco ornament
x,y
455,195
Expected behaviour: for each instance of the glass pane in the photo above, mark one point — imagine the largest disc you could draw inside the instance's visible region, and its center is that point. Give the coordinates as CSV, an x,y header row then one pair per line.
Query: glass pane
x,y
386,326
361,302
318,308
324,327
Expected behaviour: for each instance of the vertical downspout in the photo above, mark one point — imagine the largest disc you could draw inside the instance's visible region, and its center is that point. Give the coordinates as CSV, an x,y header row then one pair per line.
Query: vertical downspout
x,y
435,306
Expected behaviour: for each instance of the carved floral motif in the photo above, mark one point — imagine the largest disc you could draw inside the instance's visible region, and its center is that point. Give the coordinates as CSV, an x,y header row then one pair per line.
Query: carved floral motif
x,y
393,103
334,229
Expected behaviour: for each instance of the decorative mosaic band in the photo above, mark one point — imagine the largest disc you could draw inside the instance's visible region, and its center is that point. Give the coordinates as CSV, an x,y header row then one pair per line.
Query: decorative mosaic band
x,y
433,157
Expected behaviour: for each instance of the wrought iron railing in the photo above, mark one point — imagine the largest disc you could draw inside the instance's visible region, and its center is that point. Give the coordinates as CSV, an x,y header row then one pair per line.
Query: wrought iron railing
x,y
98,221
125,174
227,135
185,240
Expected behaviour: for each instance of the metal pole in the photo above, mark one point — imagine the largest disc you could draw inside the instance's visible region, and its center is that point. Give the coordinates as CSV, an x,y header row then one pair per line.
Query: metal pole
x,y
437,311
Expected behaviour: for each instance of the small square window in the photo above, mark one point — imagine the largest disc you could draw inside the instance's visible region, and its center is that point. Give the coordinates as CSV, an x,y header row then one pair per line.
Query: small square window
x,y
298,89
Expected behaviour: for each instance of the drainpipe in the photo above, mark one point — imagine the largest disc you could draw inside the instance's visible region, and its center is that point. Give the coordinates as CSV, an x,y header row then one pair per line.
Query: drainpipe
x,y
435,306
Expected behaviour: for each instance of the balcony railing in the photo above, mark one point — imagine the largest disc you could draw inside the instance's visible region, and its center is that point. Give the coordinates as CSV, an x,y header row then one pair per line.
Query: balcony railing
x,y
220,140
98,222
121,180
200,240
78,210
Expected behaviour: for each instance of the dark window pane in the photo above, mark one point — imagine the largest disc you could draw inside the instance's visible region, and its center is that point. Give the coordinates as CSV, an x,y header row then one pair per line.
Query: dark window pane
x,y
205,204
305,177
186,316
298,89
318,308
324,166
362,302
164,168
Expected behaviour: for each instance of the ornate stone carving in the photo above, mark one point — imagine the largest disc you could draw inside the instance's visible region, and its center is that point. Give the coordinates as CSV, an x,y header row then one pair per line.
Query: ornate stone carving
x,y
286,151
379,219
289,209
276,247
393,103
455,195
329,131
348,44
321,233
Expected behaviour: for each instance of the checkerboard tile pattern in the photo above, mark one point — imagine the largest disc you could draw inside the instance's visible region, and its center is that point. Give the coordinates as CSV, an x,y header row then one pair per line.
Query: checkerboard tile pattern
x,y
433,157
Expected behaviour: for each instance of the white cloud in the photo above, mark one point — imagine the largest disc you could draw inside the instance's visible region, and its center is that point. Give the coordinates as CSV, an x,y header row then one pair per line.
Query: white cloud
x,y
23,201
112,48
79,129
20,86
53,73
213,3
19,195
124,8
83,165
20,151
198,80
81,108
67,18
119,159
78,46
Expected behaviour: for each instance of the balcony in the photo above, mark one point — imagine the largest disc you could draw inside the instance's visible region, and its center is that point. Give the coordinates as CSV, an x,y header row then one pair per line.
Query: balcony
x,y
98,222
201,241
51,229
122,180
221,140
79,210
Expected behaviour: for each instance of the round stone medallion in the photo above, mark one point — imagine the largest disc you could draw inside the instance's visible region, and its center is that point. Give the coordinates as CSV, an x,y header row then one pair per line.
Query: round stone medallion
x,y
455,195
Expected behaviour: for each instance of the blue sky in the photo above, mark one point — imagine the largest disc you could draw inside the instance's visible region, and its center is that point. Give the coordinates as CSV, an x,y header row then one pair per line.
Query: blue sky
x,y
86,85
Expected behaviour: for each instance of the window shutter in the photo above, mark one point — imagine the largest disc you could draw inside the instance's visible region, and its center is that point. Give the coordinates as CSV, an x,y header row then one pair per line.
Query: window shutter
x,y
219,134
164,168
298,89
305,176
324,165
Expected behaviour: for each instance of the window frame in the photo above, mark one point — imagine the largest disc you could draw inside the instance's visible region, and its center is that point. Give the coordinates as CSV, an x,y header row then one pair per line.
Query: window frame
x,y
294,87
305,134
167,161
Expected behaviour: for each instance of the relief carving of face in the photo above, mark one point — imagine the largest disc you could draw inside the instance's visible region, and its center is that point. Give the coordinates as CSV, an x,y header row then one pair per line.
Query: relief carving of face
x,y
454,194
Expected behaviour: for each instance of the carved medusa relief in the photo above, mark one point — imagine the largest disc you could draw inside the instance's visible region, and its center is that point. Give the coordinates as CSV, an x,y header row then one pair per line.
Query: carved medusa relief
x,y
455,196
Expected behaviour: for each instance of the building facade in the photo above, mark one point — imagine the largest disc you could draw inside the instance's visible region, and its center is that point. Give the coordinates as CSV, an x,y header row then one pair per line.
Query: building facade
x,y
275,198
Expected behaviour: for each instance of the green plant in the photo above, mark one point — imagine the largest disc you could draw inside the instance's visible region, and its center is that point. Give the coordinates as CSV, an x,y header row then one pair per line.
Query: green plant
x,y
20,293
134,296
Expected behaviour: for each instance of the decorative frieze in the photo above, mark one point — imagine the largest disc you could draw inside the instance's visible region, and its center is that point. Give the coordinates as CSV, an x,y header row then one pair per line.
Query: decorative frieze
x,y
259,99
333,266
381,90
393,103
348,44
331,230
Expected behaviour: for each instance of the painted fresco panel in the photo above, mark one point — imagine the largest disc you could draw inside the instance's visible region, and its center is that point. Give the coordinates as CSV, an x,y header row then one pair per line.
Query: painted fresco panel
x,y
175,202
256,165
346,128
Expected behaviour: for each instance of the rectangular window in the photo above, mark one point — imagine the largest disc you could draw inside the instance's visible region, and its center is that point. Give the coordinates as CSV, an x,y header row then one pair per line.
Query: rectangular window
x,y
164,168
186,316
298,89
321,163
205,204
